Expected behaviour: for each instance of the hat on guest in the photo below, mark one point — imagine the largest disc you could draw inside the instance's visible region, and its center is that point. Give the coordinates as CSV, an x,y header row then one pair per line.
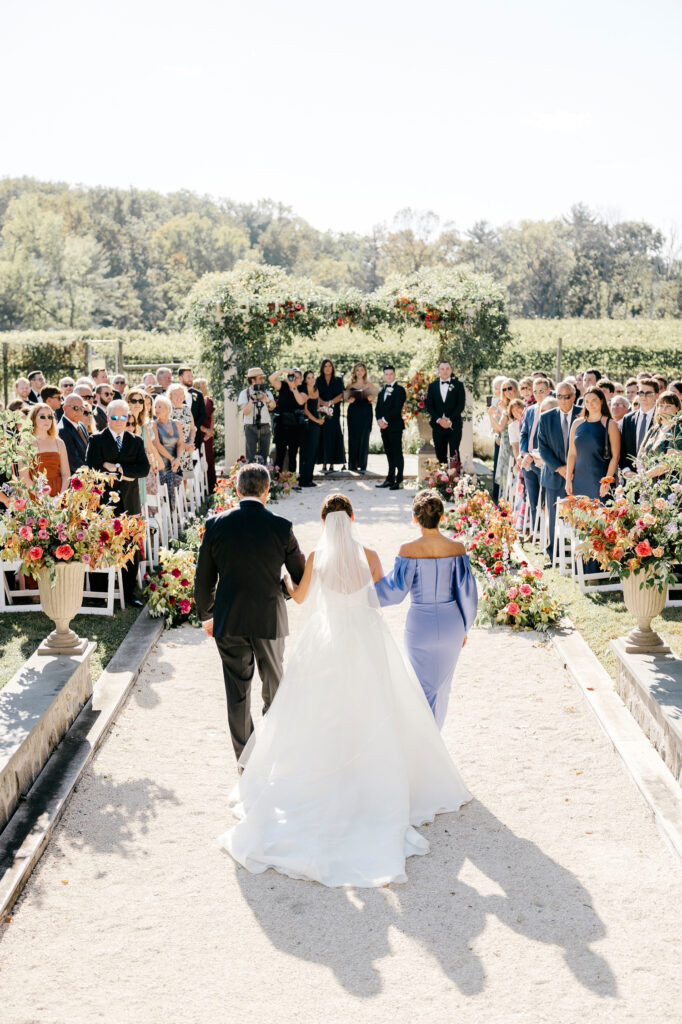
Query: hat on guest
x,y
254,371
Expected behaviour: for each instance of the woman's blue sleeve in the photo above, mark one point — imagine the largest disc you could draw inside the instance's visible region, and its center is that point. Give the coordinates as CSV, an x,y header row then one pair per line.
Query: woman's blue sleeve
x,y
396,584
466,592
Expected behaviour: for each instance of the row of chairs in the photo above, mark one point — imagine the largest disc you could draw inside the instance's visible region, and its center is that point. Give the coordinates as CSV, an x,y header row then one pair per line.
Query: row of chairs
x,y
162,523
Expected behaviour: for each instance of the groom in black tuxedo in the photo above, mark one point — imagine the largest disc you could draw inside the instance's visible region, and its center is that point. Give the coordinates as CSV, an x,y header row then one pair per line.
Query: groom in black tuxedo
x,y
389,414
445,400
243,551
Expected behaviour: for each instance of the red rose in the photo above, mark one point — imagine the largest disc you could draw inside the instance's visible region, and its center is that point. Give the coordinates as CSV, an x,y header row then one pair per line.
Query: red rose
x,y
104,536
76,483
152,586
184,583
118,526
176,573
172,599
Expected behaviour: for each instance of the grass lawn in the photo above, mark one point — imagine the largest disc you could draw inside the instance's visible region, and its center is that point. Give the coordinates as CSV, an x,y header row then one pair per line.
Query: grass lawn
x,y
603,617
22,632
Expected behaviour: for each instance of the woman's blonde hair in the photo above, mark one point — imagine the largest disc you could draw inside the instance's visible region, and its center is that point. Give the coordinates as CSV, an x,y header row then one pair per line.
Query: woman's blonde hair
x,y
202,384
516,394
161,400
33,416
354,374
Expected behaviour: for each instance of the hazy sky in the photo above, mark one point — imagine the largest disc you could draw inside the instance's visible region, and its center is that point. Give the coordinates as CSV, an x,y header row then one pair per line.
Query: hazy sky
x,y
494,109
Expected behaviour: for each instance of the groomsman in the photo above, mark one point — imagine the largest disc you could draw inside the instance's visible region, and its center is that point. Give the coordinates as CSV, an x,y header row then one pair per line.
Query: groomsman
x,y
554,432
445,400
198,406
636,424
389,414
37,382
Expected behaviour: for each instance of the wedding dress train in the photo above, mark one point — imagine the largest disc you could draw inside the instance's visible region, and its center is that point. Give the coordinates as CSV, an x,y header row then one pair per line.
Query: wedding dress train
x,y
349,758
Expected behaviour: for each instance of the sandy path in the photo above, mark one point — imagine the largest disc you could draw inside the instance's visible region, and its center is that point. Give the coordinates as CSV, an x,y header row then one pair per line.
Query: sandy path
x,y
551,898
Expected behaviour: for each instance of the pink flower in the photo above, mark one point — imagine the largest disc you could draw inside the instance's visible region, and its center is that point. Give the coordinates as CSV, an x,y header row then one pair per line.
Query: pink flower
x,y
76,483
512,608
64,551
657,552
35,553
526,589
80,535
118,527
30,521
512,593
43,523
20,504
643,549
85,558
659,503
43,534
185,607
26,533
537,573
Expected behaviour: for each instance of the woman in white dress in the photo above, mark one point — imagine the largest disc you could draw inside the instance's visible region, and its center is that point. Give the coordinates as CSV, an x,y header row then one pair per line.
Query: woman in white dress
x,y
349,758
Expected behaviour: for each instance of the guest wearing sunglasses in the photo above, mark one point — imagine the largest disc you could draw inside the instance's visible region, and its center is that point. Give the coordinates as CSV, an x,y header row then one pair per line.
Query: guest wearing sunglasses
x,y
52,460
140,404
636,424
73,432
499,421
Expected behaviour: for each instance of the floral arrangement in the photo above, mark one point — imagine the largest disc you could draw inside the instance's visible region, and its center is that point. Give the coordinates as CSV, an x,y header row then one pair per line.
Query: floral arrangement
x,y
522,601
43,532
639,531
225,491
447,480
416,395
169,590
487,530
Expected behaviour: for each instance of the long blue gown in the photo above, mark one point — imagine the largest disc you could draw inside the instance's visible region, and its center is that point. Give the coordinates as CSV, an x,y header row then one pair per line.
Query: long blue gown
x,y
590,464
443,607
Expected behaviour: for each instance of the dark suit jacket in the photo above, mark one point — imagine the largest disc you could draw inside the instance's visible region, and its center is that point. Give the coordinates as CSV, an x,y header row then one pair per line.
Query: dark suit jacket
x,y
134,462
452,407
389,407
243,551
100,417
76,442
551,445
33,397
198,413
628,440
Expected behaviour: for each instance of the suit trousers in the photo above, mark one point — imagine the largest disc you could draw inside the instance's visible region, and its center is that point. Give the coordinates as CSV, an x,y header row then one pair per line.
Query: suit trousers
x,y
393,446
239,655
532,482
444,440
551,498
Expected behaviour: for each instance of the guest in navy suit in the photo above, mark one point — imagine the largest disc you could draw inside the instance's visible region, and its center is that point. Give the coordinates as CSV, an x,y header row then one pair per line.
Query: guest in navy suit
x,y
73,432
529,428
554,434
637,424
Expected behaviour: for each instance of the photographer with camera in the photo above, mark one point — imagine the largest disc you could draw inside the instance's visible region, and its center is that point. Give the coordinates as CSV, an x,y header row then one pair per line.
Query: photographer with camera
x,y
288,416
256,404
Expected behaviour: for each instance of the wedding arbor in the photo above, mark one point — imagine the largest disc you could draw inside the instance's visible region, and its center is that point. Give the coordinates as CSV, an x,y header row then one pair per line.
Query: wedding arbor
x,y
245,317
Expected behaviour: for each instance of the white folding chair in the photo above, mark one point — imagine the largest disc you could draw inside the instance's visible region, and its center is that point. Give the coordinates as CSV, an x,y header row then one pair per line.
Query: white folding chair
x,y
562,552
595,582
113,593
8,591
164,514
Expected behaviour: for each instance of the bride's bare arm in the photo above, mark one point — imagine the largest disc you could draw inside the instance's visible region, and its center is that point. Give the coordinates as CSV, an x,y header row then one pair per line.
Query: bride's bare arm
x,y
374,563
298,591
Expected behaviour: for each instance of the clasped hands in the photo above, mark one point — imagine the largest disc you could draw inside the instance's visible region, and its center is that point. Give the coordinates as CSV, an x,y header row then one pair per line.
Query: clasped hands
x,y
444,422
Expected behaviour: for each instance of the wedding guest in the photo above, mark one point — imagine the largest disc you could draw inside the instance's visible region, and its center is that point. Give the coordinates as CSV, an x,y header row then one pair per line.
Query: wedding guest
x,y
99,375
436,573
494,403
73,432
579,385
163,379
314,423
529,466
182,414
37,382
445,401
115,450
619,388
52,458
103,396
661,381
608,387
22,388
170,445
515,411
389,414
256,404
52,396
666,431
619,407
88,418
195,400
87,382
148,381
142,405
637,423
676,386
499,421
66,386
594,448
132,428
360,394
330,388
591,378
119,384
554,433
631,386
287,423
207,431
526,390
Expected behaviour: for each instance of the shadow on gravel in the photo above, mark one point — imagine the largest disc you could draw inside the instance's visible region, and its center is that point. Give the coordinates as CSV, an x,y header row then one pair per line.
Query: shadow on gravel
x,y
347,930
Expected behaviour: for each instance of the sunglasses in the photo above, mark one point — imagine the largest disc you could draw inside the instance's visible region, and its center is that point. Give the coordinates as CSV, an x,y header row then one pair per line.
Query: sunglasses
x,y
507,389
44,416
647,394
136,401
117,417
564,398
75,408
88,398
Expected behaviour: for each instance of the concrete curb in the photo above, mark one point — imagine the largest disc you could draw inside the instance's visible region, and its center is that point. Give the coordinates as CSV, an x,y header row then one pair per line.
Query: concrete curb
x,y
652,777
29,830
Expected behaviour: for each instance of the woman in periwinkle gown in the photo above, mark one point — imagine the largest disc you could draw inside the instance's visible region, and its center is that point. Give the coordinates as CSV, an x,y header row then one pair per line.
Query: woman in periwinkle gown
x,y
436,573
348,758
590,458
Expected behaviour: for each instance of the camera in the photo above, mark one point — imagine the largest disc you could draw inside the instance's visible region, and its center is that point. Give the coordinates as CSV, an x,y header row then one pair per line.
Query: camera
x,y
256,395
291,376
489,400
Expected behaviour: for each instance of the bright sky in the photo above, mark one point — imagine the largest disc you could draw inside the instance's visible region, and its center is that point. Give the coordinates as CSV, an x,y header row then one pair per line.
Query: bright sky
x,y
492,109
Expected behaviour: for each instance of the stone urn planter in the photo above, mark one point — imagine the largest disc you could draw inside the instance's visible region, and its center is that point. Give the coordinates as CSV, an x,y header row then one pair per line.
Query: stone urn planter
x,y
644,603
60,602
424,426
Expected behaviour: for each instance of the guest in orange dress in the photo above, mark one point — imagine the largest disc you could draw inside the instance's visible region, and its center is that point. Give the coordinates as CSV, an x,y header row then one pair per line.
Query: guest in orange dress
x,y
52,458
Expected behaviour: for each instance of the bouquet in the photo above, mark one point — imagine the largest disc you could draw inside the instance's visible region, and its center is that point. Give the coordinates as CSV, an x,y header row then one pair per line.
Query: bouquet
x,y
445,479
521,601
169,590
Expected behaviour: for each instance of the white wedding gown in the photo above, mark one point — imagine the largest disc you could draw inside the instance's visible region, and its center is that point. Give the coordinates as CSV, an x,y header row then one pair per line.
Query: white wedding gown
x,y
349,757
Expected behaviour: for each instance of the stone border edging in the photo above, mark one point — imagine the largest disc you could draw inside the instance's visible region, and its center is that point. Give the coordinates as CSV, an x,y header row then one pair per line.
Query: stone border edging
x,y
652,777
29,830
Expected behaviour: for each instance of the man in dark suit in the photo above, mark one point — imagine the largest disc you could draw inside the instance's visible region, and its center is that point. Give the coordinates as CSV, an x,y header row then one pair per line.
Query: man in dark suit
x,y
198,406
553,435
389,414
52,396
73,432
115,450
636,424
243,552
37,382
528,443
445,401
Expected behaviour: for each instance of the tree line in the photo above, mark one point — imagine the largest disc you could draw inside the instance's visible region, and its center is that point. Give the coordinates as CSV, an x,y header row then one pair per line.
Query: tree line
x,y
78,257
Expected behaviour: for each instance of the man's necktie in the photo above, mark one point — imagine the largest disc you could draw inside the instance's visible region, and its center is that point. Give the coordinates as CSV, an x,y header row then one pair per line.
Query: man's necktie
x,y
119,441
564,430
641,430
536,419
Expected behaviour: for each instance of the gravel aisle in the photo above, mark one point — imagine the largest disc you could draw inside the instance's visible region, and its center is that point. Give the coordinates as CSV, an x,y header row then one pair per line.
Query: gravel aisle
x,y
550,898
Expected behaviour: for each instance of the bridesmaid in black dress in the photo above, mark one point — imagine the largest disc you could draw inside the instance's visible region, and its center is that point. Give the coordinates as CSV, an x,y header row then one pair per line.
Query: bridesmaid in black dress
x,y
360,394
330,389
313,425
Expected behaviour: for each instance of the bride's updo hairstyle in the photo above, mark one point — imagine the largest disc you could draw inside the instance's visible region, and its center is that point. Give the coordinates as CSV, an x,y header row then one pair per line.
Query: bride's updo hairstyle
x,y
428,509
336,503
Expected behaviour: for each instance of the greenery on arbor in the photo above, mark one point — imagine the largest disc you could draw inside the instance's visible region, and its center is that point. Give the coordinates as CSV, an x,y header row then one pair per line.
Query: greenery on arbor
x,y
247,316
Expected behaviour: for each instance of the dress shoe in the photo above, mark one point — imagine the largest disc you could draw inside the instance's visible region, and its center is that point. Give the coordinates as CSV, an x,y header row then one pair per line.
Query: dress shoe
x,y
296,488
134,602
396,487
386,483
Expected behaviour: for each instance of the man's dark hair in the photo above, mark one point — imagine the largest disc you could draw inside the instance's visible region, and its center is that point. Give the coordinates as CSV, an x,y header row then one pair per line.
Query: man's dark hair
x,y
650,382
607,384
101,387
253,480
597,373
50,391
184,369
34,373
389,367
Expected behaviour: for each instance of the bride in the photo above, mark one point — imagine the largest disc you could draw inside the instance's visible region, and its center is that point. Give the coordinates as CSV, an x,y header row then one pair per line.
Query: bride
x,y
349,757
